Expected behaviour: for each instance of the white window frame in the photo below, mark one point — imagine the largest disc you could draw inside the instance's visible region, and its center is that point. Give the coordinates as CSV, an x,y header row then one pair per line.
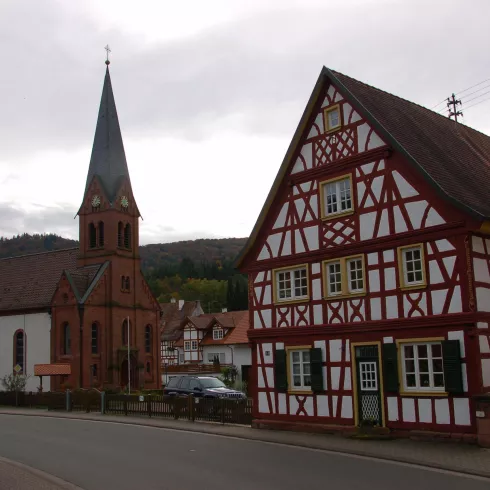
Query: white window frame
x,y
292,281
218,333
221,356
187,345
303,375
326,120
431,388
339,196
194,345
346,289
403,265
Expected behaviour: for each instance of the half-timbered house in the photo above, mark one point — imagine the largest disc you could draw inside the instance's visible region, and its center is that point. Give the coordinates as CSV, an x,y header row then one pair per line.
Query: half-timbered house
x,y
369,268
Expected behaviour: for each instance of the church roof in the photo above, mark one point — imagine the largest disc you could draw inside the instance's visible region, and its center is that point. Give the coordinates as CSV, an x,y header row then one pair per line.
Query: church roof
x,y
108,160
84,279
29,281
452,157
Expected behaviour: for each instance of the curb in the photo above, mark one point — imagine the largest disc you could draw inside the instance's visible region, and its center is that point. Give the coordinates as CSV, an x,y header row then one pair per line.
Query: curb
x,y
201,430
54,480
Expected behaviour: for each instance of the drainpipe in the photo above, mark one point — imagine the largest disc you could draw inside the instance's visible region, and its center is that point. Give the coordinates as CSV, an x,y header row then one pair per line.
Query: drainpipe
x,y
231,348
80,314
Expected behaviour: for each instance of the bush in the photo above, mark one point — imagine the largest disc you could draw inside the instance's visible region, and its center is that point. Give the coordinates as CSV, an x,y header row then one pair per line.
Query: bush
x,y
15,382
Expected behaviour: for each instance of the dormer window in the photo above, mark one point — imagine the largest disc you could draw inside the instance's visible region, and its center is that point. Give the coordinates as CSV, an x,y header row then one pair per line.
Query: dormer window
x,y
332,118
217,334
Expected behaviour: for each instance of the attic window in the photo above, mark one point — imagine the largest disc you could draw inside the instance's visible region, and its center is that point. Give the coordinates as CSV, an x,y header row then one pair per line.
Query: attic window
x,y
217,334
332,118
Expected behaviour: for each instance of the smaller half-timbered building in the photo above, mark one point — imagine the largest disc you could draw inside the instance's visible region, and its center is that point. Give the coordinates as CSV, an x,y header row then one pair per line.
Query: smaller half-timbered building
x,y
369,268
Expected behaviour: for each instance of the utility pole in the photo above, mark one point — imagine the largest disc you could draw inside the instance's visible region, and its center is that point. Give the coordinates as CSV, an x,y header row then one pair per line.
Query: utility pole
x,y
452,104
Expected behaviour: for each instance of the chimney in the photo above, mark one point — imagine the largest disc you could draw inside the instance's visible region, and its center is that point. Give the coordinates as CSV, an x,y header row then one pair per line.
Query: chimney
x,y
181,303
172,300
198,310
224,310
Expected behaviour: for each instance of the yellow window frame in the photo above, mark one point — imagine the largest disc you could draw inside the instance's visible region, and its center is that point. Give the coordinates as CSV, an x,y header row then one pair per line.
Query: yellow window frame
x,y
275,288
401,267
291,389
344,277
323,209
326,111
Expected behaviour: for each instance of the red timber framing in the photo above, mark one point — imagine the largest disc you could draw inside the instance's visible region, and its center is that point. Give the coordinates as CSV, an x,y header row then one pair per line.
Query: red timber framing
x,y
374,329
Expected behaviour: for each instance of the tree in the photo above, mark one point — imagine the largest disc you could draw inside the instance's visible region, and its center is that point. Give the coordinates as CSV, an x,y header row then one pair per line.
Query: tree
x,y
15,382
230,295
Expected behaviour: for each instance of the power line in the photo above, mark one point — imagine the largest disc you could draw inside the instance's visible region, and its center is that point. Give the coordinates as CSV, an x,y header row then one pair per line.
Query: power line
x,y
476,91
478,96
477,103
432,108
469,88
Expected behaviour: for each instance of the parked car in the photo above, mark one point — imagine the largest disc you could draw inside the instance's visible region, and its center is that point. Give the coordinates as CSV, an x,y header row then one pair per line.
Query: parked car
x,y
201,386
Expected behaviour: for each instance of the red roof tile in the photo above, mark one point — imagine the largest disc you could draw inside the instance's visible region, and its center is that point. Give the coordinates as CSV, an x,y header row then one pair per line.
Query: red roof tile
x,y
52,369
236,322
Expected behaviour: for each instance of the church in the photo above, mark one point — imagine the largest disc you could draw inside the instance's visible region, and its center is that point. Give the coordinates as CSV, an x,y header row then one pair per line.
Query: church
x,y
85,317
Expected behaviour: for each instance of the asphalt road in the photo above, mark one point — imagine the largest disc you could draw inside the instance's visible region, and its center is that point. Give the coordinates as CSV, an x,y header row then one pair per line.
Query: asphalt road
x,y
105,456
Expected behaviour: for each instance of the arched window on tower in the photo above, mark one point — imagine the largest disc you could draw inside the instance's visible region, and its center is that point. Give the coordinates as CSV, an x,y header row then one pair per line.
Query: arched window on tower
x,y
95,338
127,236
125,331
101,234
120,234
20,350
92,236
148,339
66,347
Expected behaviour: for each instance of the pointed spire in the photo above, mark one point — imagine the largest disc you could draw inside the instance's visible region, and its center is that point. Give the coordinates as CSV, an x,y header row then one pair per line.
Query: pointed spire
x,y
108,160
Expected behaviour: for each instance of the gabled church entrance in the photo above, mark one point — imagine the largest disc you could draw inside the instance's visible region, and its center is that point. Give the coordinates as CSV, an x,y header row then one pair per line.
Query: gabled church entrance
x,y
132,373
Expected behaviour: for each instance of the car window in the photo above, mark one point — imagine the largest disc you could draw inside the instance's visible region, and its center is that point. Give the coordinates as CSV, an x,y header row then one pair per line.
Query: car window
x,y
212,383
185,383
173,382
194,384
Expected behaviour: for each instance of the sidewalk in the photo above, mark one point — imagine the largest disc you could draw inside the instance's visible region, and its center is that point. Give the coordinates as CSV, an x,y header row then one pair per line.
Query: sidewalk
x,y
457,457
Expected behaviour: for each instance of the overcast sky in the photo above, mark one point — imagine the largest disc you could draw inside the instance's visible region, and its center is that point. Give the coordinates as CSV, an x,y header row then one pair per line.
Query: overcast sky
x,y
208,94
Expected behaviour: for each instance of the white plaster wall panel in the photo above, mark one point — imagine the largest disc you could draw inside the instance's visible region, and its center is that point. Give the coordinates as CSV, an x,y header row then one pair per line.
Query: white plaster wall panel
x,y
362,133
317,288
319,123
257,321
483,299
338,97
300,207
308,406
485,371
456,305
374,284
388,340
390,279
435,275
307,154
425,410
347,350
392,408
333,316
263,403
314,207
408,409
416,212
242,356
384,224
260,379
281,218
348,379
391,307
284,315
320,344
258,292
334,378
259,277
318,315
322,406
433,218
298,242
280,345
301,316
438,299
444,245
269,374
281,404
482,325
366,225
487,243
264,254
286,248
274,241
404,188
400,224
376,309
477,244
449,263
335,399
429,249
267,317
316,268
293,405
347,109
346,410
273,403
373,258
458,335
268,276
330,92
361,189
407,305
224,352
442,411
464,376
375,141
335,350
311,234
484,345
267,295
359,304
267,350
461,411
298,166
388,256
481,270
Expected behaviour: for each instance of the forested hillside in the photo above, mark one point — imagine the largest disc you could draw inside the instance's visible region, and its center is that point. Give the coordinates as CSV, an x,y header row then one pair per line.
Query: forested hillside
x,y
195,269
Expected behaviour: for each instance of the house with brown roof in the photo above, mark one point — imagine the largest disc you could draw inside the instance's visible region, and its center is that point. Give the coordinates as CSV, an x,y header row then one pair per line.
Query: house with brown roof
x,y
89,309
369,269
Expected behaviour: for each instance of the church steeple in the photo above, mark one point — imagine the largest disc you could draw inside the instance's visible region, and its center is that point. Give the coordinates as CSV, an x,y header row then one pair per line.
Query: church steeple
x,y
108,160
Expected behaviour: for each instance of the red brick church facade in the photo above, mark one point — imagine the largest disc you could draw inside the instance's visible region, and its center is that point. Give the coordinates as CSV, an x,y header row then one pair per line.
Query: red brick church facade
x,y
94,300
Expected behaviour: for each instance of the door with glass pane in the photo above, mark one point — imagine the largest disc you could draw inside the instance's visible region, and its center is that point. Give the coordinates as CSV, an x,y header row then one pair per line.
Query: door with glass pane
x,y
368,385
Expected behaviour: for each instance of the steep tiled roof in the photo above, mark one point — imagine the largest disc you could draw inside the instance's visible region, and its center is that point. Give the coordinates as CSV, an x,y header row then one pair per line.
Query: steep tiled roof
x,y
452,157
82,278
171,319
29,281
237,323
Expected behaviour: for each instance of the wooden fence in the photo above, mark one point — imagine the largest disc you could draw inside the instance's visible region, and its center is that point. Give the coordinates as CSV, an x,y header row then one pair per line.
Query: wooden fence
x,y
221,410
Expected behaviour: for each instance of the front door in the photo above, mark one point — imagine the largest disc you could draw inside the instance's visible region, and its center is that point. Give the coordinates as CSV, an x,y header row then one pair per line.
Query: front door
x,y
368,385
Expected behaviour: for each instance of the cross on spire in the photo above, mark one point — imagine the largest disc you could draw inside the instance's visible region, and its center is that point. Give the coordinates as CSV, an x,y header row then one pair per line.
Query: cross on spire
x,y
108,49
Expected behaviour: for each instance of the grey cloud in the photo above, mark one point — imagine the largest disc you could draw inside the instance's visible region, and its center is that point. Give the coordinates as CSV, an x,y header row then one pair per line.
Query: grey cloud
x,y
254,74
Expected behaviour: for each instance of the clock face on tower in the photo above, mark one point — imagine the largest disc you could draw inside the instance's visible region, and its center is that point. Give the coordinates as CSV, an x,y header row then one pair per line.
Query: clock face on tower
x,y
95,201
124,202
